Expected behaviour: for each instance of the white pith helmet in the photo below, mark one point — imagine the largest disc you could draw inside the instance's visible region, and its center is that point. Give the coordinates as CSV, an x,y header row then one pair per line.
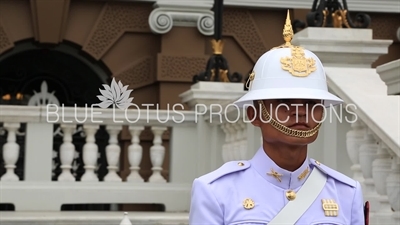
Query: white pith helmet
x,y
288,72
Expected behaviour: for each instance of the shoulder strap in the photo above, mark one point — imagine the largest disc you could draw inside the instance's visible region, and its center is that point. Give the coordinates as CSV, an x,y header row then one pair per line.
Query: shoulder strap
x,y
305,197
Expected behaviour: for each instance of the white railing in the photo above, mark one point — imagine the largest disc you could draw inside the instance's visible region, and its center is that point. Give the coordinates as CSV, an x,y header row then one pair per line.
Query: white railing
x,y
36,191
373,142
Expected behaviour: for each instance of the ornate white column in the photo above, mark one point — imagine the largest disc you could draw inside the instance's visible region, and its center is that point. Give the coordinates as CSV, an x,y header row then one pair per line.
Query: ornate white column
x,y
90,150
157,153
67,153
113,151
135,153
171,13
10,152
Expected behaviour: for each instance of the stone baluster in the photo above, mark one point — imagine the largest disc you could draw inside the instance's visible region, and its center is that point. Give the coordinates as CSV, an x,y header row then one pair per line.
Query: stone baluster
x,y
381,168
67,153
354,139
368,153
90,153
225,146
10,152
157,153
231,142
113,152
135,154
393,188
236,133
243,141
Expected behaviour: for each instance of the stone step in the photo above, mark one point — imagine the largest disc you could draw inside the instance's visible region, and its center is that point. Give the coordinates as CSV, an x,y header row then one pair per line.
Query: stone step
x,y
92,218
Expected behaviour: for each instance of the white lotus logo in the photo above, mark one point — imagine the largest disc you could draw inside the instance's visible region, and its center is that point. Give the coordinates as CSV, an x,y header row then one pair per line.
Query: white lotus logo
x,y
117,94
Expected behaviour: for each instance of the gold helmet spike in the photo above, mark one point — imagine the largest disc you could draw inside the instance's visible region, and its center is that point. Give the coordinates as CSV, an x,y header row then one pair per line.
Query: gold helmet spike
x,y
288,30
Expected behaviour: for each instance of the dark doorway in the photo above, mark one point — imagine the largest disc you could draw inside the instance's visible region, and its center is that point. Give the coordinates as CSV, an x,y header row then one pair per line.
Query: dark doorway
x,y
73,82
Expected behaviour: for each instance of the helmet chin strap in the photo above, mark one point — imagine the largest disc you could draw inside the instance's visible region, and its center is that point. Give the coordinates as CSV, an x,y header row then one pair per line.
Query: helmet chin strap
x,y
286,130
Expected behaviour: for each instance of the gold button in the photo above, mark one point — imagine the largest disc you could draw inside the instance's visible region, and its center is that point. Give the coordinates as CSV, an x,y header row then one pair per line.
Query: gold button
x,y
240,164
248,203
317,162
290,195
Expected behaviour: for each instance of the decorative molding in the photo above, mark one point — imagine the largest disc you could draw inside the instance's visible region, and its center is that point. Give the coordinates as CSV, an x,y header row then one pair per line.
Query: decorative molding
x,y
179,67
198,13
342,47
138,74
5,40
240,24
389,72
114,20
387,6
398,34
381,6
176,13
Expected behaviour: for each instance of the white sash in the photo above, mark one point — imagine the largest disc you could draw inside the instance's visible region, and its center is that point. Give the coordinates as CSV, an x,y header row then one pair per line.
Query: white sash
x,y
305,197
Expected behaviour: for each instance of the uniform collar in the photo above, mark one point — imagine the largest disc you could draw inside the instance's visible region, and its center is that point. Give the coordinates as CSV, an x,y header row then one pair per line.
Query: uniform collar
x,y
280,177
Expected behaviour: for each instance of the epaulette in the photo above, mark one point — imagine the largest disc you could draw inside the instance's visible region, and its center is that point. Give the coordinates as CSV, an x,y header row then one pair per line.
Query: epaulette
x,y
225,169
334,174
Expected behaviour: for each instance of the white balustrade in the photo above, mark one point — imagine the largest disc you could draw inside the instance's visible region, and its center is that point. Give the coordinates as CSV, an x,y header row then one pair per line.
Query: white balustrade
x,y
377,167
10,152
157,153
67,153
113,152
135,154
27,195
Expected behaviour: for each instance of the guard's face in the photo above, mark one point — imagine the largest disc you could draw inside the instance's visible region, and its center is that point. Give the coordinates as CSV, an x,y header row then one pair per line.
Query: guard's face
x,y
298,114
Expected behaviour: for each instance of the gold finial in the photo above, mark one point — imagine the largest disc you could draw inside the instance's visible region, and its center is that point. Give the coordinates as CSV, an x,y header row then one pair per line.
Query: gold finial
x,y
218,46
288,30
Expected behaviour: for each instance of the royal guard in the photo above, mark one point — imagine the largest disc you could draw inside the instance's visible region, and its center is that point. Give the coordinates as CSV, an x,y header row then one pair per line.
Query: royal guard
x,y
287,96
